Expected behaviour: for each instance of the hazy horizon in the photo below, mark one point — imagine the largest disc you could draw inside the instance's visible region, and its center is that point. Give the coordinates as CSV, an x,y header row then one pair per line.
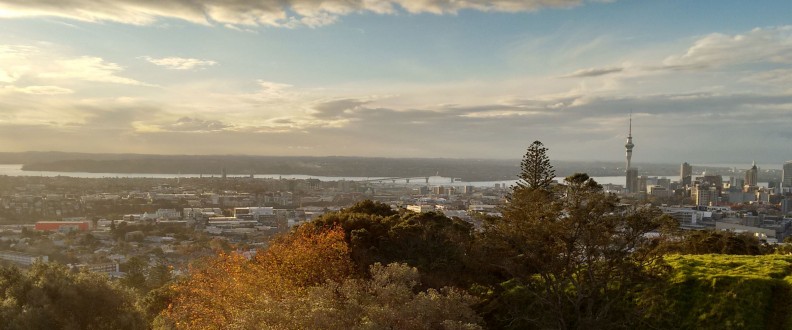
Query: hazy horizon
x,y
738,165
705,81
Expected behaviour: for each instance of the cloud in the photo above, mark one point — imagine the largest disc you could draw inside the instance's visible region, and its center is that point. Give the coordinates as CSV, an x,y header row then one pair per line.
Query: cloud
x,y
760,45
39,90
336,108
89,68
188,124
593,72
281,13
14,62
37,70
180,63
778,77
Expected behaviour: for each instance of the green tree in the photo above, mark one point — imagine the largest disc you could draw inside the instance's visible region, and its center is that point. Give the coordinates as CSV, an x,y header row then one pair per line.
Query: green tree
x,y
535,169
437,245
578,259
718,242
135,269
49,296
387,300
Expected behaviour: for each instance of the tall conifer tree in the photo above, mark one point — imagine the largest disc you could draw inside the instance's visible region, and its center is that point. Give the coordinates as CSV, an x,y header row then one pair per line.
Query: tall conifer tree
x,y
536,171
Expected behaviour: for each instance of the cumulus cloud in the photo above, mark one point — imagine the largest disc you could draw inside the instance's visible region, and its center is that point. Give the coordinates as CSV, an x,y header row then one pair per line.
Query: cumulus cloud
x,y
179,63
282,13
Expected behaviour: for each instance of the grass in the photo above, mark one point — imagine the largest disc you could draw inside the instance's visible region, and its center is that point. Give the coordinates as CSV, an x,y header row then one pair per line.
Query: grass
x,y
729,292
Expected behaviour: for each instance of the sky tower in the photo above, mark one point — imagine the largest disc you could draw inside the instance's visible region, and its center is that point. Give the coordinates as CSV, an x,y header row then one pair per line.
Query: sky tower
x,y
629,146
631,174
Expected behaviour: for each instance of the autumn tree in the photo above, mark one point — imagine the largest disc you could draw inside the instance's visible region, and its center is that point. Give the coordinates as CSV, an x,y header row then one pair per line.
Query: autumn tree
x,y
305,280
227,291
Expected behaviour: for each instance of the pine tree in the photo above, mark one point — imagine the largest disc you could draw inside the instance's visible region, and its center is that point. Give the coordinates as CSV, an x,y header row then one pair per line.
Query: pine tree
x,y
536,171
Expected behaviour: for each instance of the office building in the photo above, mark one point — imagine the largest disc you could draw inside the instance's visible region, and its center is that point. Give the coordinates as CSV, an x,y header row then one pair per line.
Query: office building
x,y
632,181
752,176
685,174
786,176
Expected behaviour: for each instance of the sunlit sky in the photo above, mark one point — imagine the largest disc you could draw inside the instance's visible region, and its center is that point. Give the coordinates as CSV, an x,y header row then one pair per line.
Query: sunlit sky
x,y
706,81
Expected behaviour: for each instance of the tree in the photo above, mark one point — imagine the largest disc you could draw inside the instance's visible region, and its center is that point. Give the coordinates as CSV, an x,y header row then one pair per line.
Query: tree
x,y
387,300
49,296
437,245
718,242
135,269
578,259
535,169
230,291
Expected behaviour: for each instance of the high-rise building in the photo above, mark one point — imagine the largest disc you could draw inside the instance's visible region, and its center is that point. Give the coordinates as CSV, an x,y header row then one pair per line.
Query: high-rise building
x,y
632,180
642,180
685,174
705,194
752,176
631,185
786,206
786,175
664,182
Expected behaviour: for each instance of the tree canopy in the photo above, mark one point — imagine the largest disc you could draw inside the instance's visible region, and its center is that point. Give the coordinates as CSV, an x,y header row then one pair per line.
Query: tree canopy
x,y
49,296
536,172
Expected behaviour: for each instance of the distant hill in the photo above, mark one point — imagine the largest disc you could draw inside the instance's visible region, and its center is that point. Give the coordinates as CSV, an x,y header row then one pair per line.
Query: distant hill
x,y
467,169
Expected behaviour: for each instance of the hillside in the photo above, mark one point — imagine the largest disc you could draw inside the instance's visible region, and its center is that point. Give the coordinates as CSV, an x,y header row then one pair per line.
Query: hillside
x,y
729,292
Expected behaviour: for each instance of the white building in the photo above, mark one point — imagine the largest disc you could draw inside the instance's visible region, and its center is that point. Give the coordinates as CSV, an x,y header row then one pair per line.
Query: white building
x,y
22,258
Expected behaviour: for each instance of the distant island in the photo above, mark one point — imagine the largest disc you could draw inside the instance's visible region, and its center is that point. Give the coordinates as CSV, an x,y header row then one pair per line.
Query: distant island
x,y
465,169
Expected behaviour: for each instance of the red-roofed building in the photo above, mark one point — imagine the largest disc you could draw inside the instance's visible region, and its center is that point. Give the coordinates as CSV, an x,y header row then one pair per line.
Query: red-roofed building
x,y
63,226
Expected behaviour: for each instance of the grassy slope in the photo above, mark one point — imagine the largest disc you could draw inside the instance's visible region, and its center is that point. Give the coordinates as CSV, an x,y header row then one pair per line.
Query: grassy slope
x,y
729,292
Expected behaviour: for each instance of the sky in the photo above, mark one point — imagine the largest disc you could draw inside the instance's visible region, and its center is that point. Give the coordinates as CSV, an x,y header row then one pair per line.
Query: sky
x,y
706,81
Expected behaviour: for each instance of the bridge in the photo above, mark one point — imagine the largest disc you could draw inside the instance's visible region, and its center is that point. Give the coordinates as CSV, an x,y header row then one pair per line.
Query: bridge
x,y
405,179
394,179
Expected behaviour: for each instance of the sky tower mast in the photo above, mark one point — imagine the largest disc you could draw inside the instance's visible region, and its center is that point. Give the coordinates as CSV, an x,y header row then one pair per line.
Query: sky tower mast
x,y
631,174
629,146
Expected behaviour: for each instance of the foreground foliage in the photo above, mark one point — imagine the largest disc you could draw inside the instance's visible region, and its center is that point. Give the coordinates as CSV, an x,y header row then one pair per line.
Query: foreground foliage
x,y
576,258
49,296
438,246
306,280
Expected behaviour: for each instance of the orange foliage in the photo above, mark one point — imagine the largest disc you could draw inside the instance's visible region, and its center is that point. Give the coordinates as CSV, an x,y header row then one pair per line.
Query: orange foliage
x,y
230,288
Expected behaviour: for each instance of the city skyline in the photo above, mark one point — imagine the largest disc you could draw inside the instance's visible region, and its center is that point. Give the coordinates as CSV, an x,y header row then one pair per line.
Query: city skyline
x,y
706,82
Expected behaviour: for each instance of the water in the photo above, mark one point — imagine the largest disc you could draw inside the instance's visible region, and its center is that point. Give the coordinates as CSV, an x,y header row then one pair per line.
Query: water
x,y
16,170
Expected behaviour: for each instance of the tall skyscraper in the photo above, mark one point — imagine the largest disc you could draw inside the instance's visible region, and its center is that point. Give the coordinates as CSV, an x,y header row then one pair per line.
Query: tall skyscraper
x,y
631,177
633,185
786,176
685,174
752,176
